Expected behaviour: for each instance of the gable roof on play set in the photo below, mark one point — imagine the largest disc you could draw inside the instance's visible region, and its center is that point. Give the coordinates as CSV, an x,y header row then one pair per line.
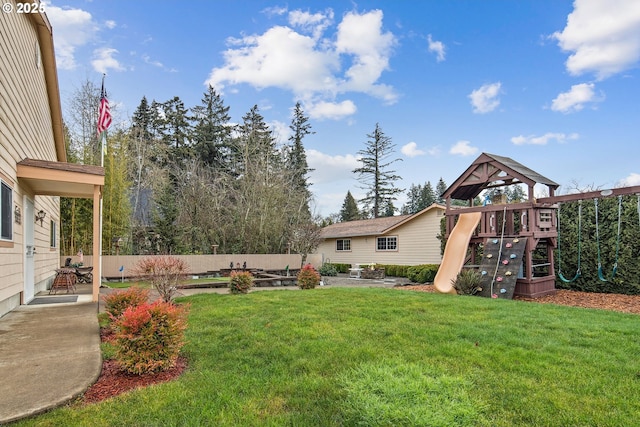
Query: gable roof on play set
x,y
491,171
372,227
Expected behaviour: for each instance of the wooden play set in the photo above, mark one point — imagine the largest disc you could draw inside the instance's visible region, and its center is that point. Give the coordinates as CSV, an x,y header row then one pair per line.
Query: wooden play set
x,y
513,243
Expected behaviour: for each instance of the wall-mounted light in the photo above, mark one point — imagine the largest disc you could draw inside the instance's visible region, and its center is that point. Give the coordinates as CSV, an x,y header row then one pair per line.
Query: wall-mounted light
x,y
40,216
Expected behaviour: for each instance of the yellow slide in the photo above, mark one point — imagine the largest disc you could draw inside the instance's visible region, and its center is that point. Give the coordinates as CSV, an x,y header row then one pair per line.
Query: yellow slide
x,y
455,252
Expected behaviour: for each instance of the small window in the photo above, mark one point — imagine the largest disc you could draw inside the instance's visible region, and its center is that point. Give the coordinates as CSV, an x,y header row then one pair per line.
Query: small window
x,y
53,235
6,214
387,243
343,245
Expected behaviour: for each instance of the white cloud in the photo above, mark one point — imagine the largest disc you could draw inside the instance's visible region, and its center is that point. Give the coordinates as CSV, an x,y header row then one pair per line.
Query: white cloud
x,y
104,60
281,131
436,47
315,23
575,98
485,99
330,110
110,24
330,168
280,58
561,138
361,35
311,66
73,28
463,148
631,180
603,36
411,150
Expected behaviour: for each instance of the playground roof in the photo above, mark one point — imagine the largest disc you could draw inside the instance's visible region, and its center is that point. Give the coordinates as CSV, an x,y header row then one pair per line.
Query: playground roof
x,y
489,171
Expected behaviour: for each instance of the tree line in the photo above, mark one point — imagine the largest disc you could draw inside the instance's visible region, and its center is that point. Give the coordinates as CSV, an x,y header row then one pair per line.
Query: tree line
x,y
184,180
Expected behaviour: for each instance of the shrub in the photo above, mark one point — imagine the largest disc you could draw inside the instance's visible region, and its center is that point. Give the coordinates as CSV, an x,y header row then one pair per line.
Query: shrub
x,y
148,337
117,302
241,282
395,270
424,273
164,273
467,282
308,277
328,269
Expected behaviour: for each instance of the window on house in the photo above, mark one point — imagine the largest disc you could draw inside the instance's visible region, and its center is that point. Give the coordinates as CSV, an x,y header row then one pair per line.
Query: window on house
x,y
387,243
343,245
53,234
6,215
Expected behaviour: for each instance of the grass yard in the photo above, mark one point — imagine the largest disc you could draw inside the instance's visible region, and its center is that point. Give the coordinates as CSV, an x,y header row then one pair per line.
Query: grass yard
x,y
346,356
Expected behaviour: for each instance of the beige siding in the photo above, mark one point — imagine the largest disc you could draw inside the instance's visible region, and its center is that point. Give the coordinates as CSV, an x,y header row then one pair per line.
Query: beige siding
x,y
25,132
417,244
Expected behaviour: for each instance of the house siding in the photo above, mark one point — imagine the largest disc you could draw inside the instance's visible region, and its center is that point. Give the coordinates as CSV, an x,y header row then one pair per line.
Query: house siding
x,y
25,132
417,244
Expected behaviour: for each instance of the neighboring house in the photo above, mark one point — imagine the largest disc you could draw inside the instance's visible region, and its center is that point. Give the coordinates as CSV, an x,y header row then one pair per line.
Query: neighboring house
x,y
400,240
33,169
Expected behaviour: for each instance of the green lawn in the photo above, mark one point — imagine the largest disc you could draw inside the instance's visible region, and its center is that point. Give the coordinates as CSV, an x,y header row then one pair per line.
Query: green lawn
x,y
345,356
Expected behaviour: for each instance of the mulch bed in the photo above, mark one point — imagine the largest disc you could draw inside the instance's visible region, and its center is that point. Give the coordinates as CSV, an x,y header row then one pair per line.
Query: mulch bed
x,y
114,381
615,302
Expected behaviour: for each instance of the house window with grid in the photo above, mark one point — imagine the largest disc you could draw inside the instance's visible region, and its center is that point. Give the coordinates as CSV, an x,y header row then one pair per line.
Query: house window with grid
x,y
389,243
6,214
343,245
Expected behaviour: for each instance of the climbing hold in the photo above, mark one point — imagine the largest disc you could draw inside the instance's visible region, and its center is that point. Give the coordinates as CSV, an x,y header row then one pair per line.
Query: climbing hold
x,y
512,256
490,256
494,296
508,245
505,261
484,273
516,240
503,291
508,273
495,240
498,279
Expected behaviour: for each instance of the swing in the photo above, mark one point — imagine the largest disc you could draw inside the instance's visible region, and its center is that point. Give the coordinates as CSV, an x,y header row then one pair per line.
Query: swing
x,y
578,272
615,264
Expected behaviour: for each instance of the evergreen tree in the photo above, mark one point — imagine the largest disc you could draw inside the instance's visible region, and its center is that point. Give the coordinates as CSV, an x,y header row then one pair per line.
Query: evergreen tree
x,y
116,202
175,129
441,187
349,211
413,203
375,174
212,130
427,196
389,209
296,156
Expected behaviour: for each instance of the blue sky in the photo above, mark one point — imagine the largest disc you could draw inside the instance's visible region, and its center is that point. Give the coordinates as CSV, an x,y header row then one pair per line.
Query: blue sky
x,y
552,84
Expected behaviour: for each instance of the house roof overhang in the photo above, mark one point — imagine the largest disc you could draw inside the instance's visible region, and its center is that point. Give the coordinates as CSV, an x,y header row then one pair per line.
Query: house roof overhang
x,y
49,178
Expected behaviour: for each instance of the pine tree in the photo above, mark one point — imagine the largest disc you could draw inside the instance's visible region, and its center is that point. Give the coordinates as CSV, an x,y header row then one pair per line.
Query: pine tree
x,y
212,130
349,211
427,197
375,174
413,203
441,187
296,156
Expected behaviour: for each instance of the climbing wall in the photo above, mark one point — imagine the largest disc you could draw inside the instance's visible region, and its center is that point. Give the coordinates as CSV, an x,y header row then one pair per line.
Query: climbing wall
x,y
508,259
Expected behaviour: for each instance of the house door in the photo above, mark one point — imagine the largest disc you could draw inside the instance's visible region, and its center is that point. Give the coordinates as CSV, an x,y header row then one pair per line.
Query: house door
x,y
29,250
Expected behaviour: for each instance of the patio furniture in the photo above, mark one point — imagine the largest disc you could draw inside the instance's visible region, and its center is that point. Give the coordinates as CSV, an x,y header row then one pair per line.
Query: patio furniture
x,y
65,280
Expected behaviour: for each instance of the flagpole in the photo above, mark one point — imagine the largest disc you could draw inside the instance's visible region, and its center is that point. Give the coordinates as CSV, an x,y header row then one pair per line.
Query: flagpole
x,y
102,128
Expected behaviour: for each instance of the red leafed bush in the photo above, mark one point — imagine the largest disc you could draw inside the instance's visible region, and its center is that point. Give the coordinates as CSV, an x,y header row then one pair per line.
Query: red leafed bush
x,y
308,277
117,302
164,273
241,282
148,337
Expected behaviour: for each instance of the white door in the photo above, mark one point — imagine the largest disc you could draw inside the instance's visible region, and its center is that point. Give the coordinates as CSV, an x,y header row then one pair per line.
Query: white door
x,y
29,250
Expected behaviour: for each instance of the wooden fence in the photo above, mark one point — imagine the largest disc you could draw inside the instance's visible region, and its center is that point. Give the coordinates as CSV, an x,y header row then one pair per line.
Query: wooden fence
x,y
200,264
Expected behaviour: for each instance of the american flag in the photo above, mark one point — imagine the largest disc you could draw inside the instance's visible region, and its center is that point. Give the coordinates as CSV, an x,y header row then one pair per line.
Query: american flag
x,y
104,112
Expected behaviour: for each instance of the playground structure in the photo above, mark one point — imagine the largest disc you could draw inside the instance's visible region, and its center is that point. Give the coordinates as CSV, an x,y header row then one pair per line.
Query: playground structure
x,y
512,245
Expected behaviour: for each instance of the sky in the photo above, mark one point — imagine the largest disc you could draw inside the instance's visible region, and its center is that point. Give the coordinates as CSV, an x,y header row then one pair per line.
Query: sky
x,y
552,84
